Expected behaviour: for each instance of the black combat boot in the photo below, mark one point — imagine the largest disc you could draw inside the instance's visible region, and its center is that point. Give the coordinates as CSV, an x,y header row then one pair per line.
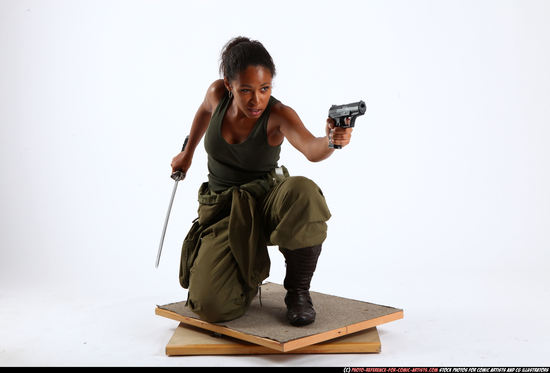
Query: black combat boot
x,y
300,265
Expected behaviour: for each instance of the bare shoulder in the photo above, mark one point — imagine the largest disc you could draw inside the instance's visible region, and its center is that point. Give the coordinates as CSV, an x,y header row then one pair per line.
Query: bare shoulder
x,y
284,114
214,94
287,124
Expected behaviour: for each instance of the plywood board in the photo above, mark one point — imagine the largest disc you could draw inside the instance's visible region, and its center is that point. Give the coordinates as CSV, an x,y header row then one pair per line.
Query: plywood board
x,y
189,340
265,324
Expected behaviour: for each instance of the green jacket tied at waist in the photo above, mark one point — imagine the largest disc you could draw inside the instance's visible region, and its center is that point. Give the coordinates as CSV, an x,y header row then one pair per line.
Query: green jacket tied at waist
x,y
230,217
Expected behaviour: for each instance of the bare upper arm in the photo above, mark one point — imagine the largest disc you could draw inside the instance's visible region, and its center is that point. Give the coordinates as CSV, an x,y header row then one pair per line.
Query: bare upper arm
x,y
291,126
213,96
204,113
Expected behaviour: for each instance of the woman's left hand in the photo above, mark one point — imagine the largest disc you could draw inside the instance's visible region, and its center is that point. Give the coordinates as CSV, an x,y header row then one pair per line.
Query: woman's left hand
x,y
338,135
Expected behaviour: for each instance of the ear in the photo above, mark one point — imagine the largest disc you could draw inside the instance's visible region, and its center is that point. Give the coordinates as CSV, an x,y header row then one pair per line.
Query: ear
x,y
226,84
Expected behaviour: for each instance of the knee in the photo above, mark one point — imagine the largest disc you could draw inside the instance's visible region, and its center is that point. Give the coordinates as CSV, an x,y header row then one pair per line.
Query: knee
x,y
300,214
300,187
211,309
219,306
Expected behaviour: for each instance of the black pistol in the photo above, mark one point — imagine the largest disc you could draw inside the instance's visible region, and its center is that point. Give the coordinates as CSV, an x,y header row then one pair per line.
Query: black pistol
x,y
340,112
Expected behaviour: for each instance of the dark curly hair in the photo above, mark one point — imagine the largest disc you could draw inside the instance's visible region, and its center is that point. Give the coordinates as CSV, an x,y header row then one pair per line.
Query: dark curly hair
x,y
241,52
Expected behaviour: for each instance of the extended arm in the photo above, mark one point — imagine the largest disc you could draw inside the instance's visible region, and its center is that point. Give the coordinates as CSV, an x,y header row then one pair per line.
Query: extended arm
x,y
314,148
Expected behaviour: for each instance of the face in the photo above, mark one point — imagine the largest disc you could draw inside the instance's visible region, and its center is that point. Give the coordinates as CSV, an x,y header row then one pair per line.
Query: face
x,y
251,90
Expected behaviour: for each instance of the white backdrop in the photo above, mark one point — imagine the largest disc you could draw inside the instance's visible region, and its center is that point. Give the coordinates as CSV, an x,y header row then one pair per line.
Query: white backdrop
x,y
441,204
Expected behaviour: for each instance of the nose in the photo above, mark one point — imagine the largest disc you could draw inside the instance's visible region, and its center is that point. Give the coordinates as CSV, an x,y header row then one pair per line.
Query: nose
x,y
255,98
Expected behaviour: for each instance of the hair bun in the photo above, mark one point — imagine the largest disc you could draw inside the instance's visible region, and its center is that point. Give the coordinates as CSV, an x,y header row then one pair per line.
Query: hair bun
x,y
231,43
241,52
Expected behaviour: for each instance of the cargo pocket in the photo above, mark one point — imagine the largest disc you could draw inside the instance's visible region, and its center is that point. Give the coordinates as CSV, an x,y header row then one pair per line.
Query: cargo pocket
x,y
189,251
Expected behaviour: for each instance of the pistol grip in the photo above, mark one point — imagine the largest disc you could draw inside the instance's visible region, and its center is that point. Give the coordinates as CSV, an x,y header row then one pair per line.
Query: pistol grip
x,y
331,145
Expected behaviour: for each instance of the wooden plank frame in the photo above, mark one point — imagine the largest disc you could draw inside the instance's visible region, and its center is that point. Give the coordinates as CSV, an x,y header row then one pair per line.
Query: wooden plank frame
x,y
189,340
276,345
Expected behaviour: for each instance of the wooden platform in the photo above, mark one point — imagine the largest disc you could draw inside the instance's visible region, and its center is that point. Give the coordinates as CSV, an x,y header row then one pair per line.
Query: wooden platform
x,y
189,340
266,324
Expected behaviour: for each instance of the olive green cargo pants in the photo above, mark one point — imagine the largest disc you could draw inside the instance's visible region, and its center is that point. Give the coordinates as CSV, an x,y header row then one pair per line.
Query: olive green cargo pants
x,y
224,256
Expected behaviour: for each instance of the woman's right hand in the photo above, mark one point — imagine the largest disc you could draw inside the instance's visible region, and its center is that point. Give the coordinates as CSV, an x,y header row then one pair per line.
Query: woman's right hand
x,y
181,162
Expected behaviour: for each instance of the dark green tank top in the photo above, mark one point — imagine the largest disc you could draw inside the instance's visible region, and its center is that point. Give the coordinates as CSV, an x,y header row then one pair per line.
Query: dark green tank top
x,y
238,164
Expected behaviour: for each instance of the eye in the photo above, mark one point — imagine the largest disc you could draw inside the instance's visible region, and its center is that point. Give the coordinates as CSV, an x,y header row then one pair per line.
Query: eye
x,y
244,90
265,89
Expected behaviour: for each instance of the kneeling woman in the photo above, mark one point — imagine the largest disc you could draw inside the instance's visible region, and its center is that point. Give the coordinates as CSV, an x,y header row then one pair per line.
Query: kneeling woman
x,y
249,202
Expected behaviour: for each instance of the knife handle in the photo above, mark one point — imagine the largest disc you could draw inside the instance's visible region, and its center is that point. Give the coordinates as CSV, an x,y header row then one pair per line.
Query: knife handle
x,y
185,143
180,175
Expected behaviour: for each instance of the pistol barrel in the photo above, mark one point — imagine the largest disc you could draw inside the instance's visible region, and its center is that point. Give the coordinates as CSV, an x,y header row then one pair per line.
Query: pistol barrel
x,y
356,109
340,112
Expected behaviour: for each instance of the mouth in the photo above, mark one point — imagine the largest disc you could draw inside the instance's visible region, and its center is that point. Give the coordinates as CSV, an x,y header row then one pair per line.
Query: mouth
x,y
254,112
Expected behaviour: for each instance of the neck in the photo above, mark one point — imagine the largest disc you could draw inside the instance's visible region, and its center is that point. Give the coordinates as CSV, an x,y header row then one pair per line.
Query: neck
x,y
237,116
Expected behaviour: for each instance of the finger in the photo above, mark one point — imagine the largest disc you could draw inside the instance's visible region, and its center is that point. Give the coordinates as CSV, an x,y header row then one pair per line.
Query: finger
x,y
342,135
342,130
